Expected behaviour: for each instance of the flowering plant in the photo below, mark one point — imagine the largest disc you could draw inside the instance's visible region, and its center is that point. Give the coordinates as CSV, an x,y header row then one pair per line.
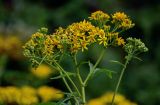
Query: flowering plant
x,y
99,29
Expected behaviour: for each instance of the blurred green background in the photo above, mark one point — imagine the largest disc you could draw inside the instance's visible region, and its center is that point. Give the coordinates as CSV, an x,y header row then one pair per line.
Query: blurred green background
x,y
141,82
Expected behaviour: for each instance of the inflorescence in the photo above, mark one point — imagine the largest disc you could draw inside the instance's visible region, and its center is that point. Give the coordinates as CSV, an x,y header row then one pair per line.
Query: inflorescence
x,y
100,28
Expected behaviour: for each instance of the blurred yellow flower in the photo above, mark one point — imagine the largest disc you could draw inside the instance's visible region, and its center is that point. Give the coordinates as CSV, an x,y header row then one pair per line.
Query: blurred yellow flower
x,y
43,71
11,46
49,93
107,98
12,94
28,90
27,95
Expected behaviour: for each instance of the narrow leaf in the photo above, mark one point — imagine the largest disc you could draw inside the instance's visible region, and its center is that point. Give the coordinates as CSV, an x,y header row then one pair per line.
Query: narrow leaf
x,y
58,77
90,66
81,63
138,58
108,72
61,76
117,62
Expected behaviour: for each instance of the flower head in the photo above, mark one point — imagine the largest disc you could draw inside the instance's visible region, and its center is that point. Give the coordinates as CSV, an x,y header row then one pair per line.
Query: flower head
x,y
99,16
43,71
107,98
120,41
121,20
134,45
83,34
11,46
49,93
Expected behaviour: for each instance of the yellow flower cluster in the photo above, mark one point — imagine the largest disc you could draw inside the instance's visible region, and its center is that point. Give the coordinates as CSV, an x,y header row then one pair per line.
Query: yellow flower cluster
x,y
107,98
78,36
49,93
83,34
43,71
122,20
27,95
10,46
99,16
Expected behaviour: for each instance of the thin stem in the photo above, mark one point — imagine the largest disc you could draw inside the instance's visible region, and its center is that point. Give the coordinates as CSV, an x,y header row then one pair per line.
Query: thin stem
x,y
68,77
119,79
94,67
77,70
99,59
83,95
67,85
81,81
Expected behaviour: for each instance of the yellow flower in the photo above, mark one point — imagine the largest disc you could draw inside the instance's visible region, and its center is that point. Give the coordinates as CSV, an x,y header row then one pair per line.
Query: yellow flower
x,y
75,48
119,16
95,102
120,41
28,90
127,23
107,98
103,40
37,35
11,46
84,44
28,96
121,20
99,16
49,93
82,34
27,100
43,71
107,27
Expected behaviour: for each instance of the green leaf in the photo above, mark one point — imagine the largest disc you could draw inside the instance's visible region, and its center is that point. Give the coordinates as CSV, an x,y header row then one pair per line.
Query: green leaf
x,y
90,66
137,58
81,63
108,72
117,62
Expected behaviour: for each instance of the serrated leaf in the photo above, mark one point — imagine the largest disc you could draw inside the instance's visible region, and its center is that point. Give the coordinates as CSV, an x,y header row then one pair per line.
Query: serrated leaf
x,y
117,62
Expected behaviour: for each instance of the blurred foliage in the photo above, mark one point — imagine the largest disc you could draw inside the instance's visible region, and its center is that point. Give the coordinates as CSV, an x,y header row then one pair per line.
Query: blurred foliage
x,y
141,83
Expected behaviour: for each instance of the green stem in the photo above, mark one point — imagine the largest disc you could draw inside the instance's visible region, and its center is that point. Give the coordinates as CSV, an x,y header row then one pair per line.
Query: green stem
x,y
83,84
94,67
83,95
80,80
120,78
70,90
68,77
77,70
67,85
